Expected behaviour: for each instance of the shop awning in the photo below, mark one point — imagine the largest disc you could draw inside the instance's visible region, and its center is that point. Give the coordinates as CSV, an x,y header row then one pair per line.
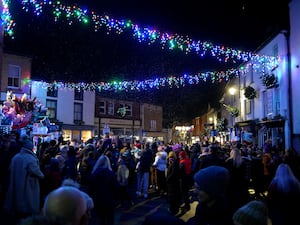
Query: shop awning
x,y
246,123
272,123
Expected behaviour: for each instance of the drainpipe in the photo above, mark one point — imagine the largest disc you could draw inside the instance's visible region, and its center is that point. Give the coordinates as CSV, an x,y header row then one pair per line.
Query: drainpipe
x,y
290,92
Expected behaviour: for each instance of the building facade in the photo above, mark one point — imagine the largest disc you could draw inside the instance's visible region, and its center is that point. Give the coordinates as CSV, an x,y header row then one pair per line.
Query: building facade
x,y
16,70
71,110
129,120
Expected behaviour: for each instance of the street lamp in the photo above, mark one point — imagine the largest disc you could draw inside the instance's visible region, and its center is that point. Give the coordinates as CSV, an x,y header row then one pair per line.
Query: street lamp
x,y
232,91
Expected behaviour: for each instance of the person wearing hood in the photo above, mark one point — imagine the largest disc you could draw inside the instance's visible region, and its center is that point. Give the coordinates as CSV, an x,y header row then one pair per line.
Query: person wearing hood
x,y
23,196
211,185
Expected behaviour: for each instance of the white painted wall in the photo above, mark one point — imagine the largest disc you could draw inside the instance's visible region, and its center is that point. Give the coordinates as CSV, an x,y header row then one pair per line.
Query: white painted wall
x,y
295,64
65,103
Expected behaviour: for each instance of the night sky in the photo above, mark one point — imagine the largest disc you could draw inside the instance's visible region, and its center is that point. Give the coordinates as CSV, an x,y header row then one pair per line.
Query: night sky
x,y
76,53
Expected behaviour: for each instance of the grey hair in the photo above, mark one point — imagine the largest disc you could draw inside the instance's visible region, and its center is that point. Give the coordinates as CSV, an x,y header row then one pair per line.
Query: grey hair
x,y
102,162
70,182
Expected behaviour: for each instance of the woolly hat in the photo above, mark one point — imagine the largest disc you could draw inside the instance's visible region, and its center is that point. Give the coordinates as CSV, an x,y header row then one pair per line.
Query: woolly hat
x,y
182,154
172,154
213,180
253,213
26,142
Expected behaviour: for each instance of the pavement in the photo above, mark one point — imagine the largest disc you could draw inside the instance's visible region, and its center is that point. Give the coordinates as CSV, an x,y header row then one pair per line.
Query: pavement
x,y
142,208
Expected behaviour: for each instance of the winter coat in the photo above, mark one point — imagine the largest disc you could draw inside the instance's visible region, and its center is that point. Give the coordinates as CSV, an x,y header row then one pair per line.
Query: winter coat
x,y
160,161
23,195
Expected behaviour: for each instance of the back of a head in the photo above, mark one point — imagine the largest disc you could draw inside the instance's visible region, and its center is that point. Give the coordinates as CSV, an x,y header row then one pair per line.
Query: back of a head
x,y
102,162
213,180
66,203
253,213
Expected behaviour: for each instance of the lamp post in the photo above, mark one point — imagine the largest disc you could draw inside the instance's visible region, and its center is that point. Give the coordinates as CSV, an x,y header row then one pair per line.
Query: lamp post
x,y
232,92
212,131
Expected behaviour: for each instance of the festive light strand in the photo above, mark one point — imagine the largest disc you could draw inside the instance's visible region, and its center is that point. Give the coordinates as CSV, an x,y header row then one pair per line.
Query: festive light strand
x,y
6,20
72,14
150,84
143,34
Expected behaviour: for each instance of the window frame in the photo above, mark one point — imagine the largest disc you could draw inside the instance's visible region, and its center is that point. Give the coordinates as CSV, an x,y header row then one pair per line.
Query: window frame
x,y
153,125
102,108
15,79
52,109
78,114
78,95
110,108
52,92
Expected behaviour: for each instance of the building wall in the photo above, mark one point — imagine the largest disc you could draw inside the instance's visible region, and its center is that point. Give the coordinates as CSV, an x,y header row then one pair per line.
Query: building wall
x,y
295,63
25,65
138,123
152,112
65,111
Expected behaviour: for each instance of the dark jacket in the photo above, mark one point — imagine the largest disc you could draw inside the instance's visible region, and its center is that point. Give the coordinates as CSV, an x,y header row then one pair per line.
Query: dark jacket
x,y
145,161
104,188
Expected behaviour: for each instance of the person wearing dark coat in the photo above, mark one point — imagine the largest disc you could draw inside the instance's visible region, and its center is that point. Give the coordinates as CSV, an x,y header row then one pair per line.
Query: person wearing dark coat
x,y
212,159
143,172
104,187
173,183
71,164
211,186
23,196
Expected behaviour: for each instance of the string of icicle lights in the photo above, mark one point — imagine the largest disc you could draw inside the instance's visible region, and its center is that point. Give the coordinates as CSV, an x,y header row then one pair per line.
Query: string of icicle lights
x,y
6,20
139,85
72,14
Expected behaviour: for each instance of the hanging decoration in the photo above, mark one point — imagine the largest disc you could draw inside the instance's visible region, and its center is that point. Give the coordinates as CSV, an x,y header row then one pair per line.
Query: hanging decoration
x,y
222,124
250,92
5,19
234,111
269,80
122,111
184,43
136,85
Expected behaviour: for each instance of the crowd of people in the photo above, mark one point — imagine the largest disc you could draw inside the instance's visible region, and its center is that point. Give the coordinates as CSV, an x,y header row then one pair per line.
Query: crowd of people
x,y
67,182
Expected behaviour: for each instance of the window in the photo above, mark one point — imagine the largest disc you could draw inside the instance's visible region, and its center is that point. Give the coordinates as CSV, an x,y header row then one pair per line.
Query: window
x,y
14,75
277,101
78,111
268,103
51,92
248,104
51,108
102,107
78,95
111,108
152,124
